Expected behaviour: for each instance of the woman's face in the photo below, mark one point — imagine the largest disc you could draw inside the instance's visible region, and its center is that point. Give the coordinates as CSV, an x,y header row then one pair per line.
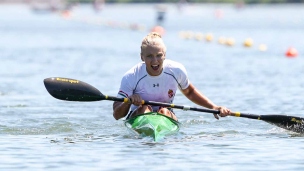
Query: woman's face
x,y
153,56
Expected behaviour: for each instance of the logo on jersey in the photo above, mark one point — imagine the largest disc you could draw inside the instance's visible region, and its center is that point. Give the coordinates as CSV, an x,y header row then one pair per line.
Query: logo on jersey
x,y
170,93
156,85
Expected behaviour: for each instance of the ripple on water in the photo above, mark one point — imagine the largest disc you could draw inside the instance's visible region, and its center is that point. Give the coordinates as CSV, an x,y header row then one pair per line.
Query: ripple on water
x,y
15,106
36,127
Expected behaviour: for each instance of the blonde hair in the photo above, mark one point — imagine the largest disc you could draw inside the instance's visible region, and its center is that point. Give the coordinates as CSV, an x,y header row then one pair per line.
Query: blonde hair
x,y
152,39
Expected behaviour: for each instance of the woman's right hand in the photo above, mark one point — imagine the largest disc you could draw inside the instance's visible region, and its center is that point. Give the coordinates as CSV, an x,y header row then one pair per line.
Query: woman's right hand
x,y
136,100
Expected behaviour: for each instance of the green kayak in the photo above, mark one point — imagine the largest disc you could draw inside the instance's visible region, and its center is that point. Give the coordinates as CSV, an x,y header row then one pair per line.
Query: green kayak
x,y
152,124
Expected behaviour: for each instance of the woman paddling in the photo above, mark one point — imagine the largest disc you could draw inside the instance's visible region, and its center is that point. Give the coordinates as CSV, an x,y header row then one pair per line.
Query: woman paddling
x,y
157,79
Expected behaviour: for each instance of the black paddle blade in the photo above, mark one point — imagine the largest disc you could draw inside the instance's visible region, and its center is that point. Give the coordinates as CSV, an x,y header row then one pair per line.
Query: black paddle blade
x,y
72,90
295,124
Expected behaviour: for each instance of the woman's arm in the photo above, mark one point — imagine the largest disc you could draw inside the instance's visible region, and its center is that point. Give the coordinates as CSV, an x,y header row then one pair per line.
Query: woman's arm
x,y
198,98
120,109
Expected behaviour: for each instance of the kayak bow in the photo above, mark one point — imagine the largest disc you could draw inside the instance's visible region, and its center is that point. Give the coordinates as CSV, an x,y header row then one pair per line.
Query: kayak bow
x,y
152,124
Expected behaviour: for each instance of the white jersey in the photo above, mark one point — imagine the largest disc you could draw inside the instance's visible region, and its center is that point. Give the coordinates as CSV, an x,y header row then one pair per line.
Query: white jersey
x,y
161,88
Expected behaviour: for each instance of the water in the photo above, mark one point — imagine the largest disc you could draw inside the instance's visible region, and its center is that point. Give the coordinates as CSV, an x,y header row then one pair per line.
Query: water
x,y
38,132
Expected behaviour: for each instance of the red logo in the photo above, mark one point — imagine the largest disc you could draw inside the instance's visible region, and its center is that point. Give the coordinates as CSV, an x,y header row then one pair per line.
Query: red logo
x,y
170,93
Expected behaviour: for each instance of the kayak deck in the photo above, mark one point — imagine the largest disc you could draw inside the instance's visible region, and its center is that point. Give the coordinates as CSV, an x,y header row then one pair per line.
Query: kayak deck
x,y
152,124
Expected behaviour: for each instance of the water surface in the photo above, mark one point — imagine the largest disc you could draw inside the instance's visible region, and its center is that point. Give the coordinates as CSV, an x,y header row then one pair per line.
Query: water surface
x,y
39,132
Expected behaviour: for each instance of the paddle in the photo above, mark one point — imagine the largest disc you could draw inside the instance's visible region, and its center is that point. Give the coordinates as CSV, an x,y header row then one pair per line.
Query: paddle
x,y
75,90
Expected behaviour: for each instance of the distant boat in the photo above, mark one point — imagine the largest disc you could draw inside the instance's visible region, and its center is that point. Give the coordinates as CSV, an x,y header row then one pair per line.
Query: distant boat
x,y
51,7
98,5
43,10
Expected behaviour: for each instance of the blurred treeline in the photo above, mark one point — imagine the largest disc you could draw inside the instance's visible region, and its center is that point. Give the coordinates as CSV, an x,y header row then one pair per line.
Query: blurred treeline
x,y
194,1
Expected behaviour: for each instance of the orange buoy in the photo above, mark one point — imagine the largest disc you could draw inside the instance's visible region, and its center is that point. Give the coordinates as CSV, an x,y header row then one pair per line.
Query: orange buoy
x,y
230,42
199,36
209,37
188,35
65,14
262,47
218,13
158,29
248,42
222,40
291,52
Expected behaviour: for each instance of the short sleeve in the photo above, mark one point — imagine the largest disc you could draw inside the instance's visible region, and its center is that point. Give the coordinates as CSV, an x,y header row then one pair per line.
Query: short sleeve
x,y
125,89
183,77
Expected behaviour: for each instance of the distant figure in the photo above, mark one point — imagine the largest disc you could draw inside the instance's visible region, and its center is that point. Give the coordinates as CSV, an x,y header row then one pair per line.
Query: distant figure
x,y
239,4
181,4
98,5
55,5
161,11
158,29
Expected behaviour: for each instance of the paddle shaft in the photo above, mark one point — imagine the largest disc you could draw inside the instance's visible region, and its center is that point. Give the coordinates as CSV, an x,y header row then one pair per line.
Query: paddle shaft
x,y
287,122
183,107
